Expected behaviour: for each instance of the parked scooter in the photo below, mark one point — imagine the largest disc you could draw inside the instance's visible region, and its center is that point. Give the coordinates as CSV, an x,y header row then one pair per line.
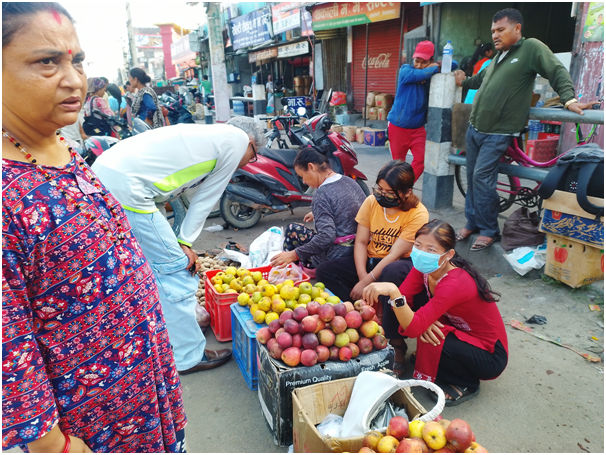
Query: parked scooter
x,y
271,184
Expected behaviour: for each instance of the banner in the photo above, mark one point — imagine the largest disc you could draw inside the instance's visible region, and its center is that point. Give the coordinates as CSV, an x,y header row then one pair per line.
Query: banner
x,y
251,29
593,30
306,23
180,51
265,54
336,15
292,50
285,20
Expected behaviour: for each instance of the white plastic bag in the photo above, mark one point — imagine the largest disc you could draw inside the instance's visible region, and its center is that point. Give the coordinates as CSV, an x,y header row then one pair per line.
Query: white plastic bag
x,y
288,272
266,246
525,258
243,259
202,316
370,391
330,426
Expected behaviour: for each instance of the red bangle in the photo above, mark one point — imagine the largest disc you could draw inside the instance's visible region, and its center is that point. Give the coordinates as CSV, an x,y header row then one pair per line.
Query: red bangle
x,y
68,443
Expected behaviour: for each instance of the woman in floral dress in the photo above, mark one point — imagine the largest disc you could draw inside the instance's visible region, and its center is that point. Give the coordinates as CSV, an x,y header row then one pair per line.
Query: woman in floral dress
x,y
86,360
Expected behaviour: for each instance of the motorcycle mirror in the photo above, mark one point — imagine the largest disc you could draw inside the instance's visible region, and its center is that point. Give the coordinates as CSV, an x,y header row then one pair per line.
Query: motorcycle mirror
x,y
283,101
301,111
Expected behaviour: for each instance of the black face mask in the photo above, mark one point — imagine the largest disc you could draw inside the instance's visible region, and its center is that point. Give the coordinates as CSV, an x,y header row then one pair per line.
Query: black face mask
x,y
383,202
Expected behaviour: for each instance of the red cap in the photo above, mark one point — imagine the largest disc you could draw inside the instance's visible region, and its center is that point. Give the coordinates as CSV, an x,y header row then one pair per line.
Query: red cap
x,y
424,50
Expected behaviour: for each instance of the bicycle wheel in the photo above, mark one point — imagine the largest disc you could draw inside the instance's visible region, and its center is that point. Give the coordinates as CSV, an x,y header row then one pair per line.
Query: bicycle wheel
x,y
506,187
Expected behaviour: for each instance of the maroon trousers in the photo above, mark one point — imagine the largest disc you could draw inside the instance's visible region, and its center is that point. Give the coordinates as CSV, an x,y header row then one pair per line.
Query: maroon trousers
x,y
401,140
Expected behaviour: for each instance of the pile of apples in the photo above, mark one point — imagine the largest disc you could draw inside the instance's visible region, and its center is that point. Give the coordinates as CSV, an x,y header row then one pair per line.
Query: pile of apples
x,y
316,333
438,436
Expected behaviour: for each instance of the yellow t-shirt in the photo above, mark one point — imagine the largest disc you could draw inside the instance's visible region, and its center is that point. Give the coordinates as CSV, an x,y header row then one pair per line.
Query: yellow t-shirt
x,y
383,234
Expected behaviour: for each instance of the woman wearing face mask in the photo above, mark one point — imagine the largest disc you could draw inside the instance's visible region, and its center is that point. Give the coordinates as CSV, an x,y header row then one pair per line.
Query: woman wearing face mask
x,y
333,209
461,332
387,223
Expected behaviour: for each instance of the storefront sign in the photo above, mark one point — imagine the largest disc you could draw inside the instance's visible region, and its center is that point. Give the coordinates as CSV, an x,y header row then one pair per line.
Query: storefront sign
x,y
380,61
297,101
285,20
265,54
306,23
336,15
180,51
251,29
291,50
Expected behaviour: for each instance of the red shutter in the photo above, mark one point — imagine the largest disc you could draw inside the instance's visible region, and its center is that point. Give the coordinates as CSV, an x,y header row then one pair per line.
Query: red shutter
x,y
383,48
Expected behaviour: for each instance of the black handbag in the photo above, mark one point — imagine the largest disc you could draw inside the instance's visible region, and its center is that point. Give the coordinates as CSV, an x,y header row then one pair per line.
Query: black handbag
x,y
94,124
522,229
580,171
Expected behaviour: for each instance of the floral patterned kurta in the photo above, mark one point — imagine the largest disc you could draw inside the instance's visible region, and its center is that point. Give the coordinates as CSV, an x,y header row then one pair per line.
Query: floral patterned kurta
x,y
84,342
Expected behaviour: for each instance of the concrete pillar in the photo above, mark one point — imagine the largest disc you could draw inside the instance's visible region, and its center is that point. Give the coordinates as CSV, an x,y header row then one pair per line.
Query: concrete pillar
x,y
166,32
217,61
438,178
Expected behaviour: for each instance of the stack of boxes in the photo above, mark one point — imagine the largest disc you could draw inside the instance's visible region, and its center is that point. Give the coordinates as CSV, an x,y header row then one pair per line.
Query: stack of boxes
x,y
378,105
575,240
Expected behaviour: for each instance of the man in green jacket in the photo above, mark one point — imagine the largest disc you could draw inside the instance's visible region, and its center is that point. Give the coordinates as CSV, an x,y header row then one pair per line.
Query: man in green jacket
x,y
500,111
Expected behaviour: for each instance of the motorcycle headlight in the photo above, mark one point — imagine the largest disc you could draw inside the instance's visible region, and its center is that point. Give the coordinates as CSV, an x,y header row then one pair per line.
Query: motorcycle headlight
x,y
301,111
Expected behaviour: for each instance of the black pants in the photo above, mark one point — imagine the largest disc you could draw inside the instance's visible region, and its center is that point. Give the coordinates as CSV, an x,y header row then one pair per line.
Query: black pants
x,y
340,275
464,365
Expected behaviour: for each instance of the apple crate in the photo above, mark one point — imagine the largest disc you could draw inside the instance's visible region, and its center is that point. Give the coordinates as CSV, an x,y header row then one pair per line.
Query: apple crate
x,y
218,304
244,345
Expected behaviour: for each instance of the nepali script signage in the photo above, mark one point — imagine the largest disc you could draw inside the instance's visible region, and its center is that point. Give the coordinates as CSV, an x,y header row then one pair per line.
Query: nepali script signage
x,y
285,18
336,15
265,54
251,29
292,50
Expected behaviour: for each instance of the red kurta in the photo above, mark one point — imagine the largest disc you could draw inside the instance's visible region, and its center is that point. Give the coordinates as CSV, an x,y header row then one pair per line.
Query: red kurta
x,y
458,306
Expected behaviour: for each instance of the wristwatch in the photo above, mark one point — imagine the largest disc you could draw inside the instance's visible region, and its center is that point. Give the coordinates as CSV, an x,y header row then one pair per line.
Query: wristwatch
x,y
398,302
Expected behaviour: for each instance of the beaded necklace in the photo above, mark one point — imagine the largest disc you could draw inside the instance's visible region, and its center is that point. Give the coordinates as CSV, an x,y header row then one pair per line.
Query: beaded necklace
x,y
116,239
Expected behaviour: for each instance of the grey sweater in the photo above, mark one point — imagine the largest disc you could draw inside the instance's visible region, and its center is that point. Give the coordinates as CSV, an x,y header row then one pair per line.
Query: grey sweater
x,y
335,206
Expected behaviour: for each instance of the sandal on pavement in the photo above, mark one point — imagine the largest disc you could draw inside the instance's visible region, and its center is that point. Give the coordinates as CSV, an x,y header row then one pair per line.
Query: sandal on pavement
x,y
398,369
463,233
462,394
483,242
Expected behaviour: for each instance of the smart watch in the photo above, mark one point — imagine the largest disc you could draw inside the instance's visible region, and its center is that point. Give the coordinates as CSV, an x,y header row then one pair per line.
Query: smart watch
x,y
398,302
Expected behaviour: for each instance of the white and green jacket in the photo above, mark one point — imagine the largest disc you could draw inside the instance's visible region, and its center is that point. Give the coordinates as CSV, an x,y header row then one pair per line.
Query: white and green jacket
x,y
147,170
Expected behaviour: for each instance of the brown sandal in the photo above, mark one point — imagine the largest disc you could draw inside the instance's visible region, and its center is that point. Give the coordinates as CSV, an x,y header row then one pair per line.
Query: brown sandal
x,y
463,235
481,244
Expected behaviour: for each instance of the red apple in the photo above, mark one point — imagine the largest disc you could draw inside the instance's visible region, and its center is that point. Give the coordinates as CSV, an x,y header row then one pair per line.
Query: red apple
x,y
379,342
286,314
323,353
291,357
285,340
326,337
334,353
355,350
280,330
309,324
338,324
458,434
264,335
310,341
291,326
365,345
367,312
409,446
424,447
353,319
345,354
309,357
349,306
313,307
274,326
358,304
300,313
326,313
340,309
398,428
297,341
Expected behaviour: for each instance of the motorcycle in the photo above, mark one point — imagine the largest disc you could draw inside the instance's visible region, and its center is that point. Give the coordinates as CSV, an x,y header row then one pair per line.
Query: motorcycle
x,y
271,184
94,146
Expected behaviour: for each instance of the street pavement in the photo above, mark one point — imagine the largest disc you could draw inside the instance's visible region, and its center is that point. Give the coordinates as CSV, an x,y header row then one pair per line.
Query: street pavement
x,y
549,399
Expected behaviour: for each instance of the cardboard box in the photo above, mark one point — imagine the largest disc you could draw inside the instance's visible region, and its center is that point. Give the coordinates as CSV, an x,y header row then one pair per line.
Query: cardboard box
x,y
374,137
371,113
313,403
572,262
563,216
382,113
384,100
370,98
350,133
542,150
336,129
277,381
360,135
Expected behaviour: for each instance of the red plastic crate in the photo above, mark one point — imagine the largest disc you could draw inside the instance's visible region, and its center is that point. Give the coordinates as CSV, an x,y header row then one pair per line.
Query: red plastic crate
x,y
218,304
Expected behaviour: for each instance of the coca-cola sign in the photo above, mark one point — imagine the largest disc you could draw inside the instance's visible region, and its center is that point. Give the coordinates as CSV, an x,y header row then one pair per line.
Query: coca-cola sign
x,y
380,61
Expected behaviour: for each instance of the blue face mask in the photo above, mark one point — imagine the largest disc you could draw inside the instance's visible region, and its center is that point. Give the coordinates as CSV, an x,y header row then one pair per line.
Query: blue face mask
x,y
425,262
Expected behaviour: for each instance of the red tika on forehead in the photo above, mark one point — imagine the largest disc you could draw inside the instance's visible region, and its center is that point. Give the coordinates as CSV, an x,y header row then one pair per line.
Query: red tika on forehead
x,y
56,16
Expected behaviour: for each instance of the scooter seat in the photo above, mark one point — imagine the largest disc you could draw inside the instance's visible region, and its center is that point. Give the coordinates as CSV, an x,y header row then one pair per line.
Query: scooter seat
x,y
282,156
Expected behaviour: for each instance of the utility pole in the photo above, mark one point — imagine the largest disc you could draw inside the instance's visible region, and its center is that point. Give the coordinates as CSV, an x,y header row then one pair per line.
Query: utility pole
x,y
217,61
131,37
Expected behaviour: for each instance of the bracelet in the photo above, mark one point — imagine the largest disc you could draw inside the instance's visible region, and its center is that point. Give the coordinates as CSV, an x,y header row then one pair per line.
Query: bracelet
x,y
568,103
68,443
373,275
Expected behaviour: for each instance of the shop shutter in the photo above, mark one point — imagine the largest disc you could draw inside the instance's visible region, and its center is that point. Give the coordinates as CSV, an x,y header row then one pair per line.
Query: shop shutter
x,y
383,48
334,63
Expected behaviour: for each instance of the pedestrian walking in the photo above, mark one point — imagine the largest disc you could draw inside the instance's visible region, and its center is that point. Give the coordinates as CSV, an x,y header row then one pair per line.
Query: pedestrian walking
x,y
86,361
407,118
500,112
144,177
145,103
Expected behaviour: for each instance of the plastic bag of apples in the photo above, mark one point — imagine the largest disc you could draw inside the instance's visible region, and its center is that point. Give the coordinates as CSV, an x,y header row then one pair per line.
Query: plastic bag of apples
x,y
437,436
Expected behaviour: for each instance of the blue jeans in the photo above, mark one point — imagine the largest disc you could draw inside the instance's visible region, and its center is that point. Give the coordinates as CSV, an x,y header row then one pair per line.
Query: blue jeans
x,y
176,286
484,152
